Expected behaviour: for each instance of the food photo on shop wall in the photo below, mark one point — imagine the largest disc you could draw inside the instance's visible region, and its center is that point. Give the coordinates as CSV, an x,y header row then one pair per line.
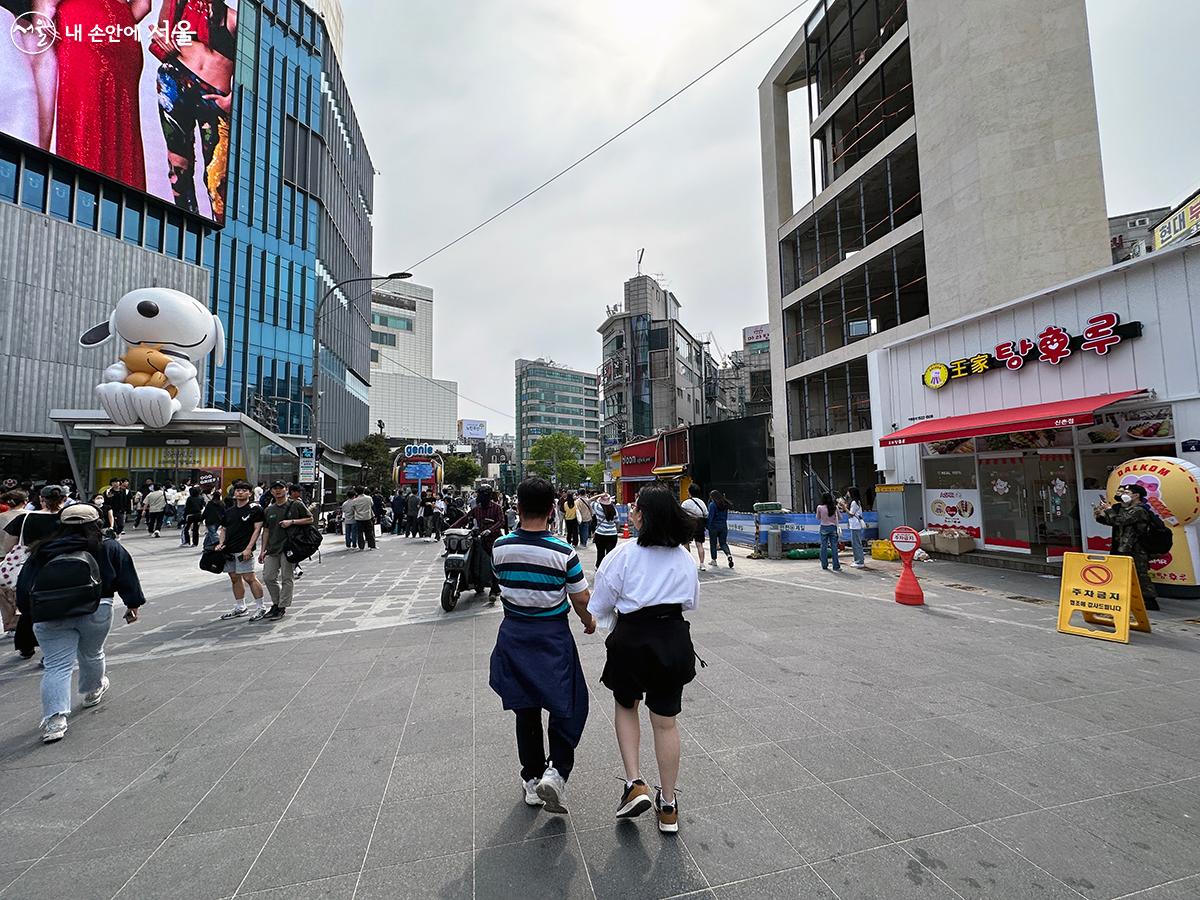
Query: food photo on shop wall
x,y
1017,423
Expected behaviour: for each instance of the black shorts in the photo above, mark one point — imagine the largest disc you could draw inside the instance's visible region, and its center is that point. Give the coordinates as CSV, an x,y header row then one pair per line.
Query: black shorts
x,y
650,655
698,537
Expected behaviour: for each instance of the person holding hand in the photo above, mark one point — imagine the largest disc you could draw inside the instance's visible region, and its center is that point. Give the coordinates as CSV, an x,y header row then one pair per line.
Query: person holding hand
x,y
535,663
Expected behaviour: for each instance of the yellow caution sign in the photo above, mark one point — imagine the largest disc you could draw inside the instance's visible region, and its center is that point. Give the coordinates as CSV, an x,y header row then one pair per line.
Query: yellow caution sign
x,y
1104,591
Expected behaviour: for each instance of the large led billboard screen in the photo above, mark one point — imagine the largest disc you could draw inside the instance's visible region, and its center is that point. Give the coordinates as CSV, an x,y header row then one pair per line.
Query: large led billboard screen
x,y
136,90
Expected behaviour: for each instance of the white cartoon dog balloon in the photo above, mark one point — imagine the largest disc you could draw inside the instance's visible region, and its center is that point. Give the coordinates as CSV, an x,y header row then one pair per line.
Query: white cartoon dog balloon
x,y
168,334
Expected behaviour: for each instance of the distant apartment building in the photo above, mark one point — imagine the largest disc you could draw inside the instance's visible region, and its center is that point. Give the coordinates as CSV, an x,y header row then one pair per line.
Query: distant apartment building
x,y
404,393
945,179
749,372
655,373
1132,234
553,399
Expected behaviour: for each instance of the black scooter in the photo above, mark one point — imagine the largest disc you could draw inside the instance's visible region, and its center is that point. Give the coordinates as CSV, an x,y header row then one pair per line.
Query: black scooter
x,y
467,564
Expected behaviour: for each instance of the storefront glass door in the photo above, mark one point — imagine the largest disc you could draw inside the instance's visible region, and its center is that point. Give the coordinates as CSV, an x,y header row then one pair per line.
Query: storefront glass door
x,y
1030,503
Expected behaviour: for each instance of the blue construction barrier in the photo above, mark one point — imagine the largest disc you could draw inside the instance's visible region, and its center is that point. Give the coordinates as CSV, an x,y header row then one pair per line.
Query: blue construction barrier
x,y
799,529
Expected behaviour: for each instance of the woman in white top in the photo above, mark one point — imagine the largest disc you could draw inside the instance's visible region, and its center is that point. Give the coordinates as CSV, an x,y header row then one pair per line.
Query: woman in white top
x,y
648,584
854,514
695,507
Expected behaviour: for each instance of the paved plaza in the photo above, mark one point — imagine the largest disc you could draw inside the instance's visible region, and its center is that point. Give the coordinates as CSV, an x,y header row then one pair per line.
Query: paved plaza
x,y
837,746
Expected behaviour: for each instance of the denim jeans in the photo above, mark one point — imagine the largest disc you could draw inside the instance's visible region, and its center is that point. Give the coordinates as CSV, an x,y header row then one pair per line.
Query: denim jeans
x,y
212,536
718,538
856,544
351,529
585,529
65,640
829,547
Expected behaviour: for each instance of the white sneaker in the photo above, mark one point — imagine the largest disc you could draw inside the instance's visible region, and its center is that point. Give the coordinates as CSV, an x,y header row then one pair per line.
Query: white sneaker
x,y
91,698
861,565
531,794
54,729
712,563
551,789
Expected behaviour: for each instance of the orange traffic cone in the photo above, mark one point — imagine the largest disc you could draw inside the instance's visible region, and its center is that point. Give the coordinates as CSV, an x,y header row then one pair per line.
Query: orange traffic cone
x,y
625,533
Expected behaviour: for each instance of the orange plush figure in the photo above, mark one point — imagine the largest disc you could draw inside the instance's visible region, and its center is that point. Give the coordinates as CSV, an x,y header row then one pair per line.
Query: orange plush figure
x,y
146,364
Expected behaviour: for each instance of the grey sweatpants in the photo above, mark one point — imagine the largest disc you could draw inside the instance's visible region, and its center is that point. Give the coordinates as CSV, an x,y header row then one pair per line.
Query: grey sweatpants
x,y
277,576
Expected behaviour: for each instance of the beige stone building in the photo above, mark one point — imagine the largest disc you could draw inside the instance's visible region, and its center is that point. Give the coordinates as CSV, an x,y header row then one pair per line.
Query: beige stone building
x,y
955,165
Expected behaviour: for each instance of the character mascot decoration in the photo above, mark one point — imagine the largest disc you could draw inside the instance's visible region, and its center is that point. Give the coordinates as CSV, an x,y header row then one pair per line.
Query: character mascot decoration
x,y
167,334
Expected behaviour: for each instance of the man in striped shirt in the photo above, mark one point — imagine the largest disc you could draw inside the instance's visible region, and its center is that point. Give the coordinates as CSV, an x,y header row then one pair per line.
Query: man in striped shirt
x,y
535,664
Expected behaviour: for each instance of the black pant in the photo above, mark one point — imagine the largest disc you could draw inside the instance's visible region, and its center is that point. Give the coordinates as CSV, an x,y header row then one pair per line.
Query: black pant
x,y
193,523
366,534
412,525
573,532
25,641
531,746
604,543
119,522
154,521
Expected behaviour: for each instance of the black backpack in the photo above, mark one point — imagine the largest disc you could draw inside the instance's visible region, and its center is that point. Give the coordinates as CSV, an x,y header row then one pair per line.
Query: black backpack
x,y
302,542
67,585
1158,538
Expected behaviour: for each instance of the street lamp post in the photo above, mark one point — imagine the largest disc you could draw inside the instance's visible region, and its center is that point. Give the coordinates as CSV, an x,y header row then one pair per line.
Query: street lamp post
x,y
316,361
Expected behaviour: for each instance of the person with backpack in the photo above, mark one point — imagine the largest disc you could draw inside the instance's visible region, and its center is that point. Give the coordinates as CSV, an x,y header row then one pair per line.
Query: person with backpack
x,y
20,534
279,571
67,588
1135,533
695,507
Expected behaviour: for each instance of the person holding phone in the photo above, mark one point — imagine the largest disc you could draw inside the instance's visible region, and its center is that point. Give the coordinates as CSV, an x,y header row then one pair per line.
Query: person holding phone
x,y
238,537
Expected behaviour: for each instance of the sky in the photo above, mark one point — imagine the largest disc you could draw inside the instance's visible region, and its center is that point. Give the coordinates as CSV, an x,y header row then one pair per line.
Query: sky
x,y
467,105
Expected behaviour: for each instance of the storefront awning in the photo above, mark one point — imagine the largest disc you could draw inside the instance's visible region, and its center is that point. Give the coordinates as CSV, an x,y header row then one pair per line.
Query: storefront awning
x,y
669,470
1058,414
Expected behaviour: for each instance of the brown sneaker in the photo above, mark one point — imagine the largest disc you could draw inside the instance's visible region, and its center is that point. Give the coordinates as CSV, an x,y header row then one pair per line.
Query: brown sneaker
x,y
635,801
668,814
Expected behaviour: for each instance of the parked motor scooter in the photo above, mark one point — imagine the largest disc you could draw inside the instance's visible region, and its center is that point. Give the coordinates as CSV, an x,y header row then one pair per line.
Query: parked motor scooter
x,y
467,564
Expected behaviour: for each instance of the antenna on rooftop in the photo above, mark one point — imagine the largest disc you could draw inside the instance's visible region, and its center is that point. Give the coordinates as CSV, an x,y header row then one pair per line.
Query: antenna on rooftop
x,y
640,254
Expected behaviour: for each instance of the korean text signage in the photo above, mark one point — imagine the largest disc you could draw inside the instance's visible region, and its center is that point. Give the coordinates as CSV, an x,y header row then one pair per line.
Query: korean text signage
x,y
1103,591
1052,345
418,472
308,462
1182,223
141,122
638,459
472,429
755,333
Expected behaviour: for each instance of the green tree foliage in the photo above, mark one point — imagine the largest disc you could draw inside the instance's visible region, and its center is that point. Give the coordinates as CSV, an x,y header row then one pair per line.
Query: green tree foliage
x,y
594,473
376,458
557,457
460,470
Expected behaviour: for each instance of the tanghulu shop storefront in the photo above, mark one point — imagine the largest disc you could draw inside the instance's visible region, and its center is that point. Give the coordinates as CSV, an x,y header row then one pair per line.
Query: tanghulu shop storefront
x,y
1013,419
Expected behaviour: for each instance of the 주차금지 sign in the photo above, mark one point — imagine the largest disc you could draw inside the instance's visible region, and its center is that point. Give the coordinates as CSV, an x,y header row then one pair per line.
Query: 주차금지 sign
x,y
1104,593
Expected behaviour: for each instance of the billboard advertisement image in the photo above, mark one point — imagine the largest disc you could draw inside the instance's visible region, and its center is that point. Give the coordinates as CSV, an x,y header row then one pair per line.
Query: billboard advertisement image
x,y
472,429
138,91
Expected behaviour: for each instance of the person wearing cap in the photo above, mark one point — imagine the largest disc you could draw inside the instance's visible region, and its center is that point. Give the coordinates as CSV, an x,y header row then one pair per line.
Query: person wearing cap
x,y
278,571
78,638
604,513
238,538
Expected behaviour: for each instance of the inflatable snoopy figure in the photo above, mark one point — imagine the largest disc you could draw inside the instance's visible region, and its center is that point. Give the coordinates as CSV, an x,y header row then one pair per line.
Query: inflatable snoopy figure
x,y
168,334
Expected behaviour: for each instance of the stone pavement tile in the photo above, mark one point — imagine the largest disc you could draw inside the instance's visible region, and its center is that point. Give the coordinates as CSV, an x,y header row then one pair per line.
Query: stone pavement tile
x,y
76,793
423,734
953,738
883,872
1123,710
257,790
967,791
315,847
594,796
445,877
16,784
976,865
1046,775
549,867
765,769
831,757
416,829
700,701
1184,889
703,782
896,806
339,887
30,841
1029,726
893,747
94,875
820,824
199,866
1152,763
734,841
723,731
799,882
426,774
501,816
632,859
780,722
838,714
1143,830
347,775
380,702
1178,737
1073,856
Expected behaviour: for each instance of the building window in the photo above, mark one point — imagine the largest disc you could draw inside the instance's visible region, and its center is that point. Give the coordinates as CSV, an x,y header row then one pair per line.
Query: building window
x,y
33,185
400,323
374,356
85,204
110,213
8,176
154,224
133,222
174,236
60,196
386,338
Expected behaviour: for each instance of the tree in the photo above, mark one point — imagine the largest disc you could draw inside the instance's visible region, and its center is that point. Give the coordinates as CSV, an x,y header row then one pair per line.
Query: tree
x,y
460,470
595,474
376,458
557,457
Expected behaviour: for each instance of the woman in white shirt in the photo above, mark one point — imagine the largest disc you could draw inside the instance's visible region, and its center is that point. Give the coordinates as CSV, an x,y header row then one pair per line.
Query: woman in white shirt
x,y
648,584
854,513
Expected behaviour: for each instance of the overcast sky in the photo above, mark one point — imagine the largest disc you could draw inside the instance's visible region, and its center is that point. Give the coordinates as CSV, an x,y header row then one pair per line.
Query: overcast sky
x,y
467,105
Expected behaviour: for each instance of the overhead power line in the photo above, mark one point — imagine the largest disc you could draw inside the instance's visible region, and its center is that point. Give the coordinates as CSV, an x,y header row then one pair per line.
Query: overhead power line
x,y
597,149
438,384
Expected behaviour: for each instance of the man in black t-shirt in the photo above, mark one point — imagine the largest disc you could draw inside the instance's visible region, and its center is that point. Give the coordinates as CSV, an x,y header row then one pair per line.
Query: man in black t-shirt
x,y
118,502
279,516
238,538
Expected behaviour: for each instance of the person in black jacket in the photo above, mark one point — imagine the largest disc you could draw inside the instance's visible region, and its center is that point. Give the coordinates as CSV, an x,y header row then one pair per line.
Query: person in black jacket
x,y
193,512
79,637
214,518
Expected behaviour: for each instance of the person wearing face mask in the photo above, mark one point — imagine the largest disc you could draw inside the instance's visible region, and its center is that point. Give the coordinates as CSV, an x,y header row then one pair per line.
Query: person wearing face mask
x,y
1129,519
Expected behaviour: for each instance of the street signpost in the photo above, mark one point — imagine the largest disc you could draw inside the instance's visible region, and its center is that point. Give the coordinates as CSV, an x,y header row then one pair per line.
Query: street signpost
x,y
908,589
308,463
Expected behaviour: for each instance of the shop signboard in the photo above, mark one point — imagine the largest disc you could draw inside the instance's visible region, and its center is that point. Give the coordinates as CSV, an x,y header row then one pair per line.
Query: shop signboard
x,y
1051,345
308,463
418,472
638,460
953,508
1151,424
1180,224
472,429
756,333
